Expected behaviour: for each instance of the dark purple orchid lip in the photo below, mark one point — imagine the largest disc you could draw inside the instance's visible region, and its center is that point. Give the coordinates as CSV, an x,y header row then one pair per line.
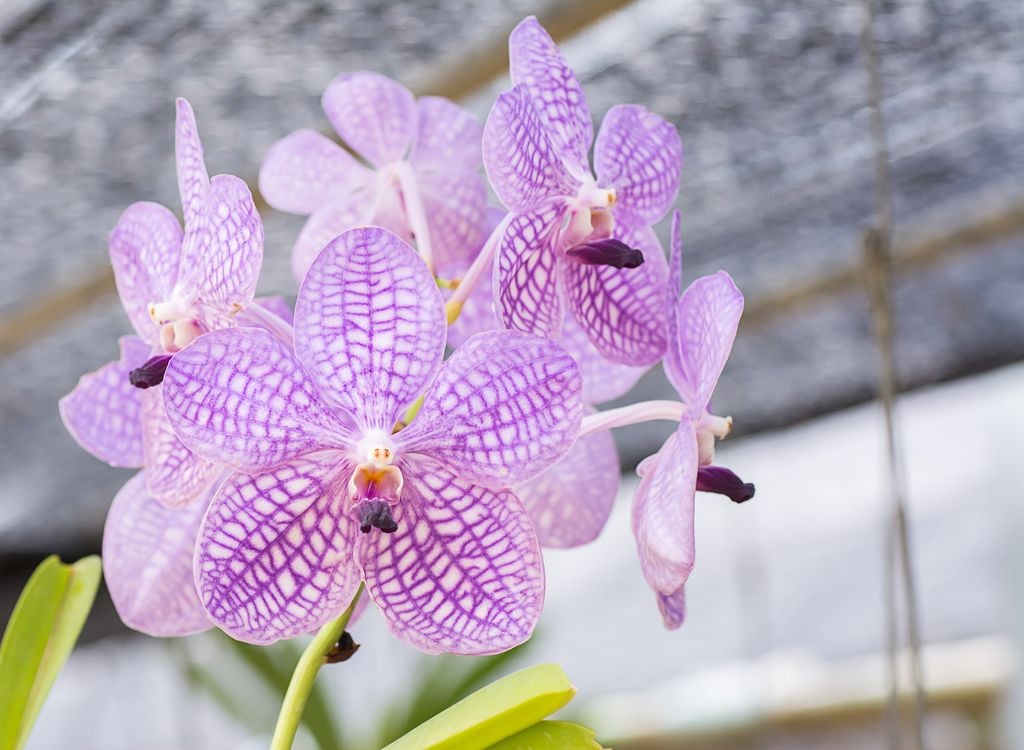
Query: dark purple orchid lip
x,y
606,252
721,481
375,514
151,373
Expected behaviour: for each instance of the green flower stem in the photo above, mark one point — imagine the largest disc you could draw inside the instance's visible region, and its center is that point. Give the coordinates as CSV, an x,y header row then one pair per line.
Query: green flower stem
x,y
314,657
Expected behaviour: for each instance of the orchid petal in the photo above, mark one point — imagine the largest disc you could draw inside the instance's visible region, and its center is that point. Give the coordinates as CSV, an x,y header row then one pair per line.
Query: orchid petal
x,y
463,573
570,502
602,380
504,407
223,249
448,138
525,277
304,170
456,207
523,165
338,215
275,553
193,180
673,608
640,155
535,62
370,325
145,251
707,317
374,115
622,311
175,476
663,512
103,412
147,562
239,397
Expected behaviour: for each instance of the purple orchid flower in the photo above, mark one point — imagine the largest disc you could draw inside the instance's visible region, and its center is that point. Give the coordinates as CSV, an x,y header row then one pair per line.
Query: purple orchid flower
x,y
572,240
330,492
703,326
423,181
174,285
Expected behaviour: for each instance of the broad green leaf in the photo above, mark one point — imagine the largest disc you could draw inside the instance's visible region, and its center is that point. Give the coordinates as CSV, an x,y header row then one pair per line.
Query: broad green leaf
x,y
40,635
550,735
493,713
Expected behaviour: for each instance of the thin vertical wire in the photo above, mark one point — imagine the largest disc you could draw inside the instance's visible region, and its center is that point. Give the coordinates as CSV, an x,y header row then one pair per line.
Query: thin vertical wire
x,y
878,263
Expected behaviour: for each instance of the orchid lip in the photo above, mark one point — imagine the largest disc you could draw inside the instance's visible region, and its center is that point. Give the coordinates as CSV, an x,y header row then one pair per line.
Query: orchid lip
x,y
375,514
151,372
722,481
606,252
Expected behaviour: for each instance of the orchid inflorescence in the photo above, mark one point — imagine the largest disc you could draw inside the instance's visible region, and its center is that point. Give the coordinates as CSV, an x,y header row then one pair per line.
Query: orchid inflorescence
x,y
291,457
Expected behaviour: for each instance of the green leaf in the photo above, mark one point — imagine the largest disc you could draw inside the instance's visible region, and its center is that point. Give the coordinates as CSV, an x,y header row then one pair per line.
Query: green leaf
x,y
493,713
550,735
40,635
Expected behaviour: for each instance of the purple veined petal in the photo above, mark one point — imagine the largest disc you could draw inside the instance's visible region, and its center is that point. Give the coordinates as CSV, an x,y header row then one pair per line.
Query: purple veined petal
x,y
103,412
239,397
370,325
193,180
603,380
622,311
341,213
275,553
525,168
570,502
375,116
663,512
175,476
535,62
304,170
525,275
673,608
145,251
640,155
707,317
463,574
448,138
147,561
675,260
223,249
456,207
504,407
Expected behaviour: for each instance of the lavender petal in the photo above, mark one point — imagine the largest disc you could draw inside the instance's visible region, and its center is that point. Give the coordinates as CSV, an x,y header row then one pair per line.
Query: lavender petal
x,y
504,407
147,562
463,573
275,553
570,502
370,325
639,154
622,311
145,251
447,139
193,180
175,476
239,397
602,380
525,168
707,317
663,512
456,207
673,608
341,213
535,62
526,273
103,412
374,115
304,170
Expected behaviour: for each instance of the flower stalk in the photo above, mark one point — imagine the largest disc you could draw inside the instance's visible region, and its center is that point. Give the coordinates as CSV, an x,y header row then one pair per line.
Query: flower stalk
x,y
314,657
645,411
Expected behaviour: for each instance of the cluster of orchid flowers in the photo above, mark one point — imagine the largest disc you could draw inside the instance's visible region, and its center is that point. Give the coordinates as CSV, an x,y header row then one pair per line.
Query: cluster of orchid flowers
x,y
289,457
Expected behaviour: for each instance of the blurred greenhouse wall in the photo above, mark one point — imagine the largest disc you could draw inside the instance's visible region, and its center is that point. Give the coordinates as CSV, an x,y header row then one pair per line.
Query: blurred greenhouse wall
x,y
770,98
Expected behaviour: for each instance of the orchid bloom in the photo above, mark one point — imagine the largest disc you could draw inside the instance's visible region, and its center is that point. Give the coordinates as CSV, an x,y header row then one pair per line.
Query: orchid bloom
x,y
572,240
702,327
422,182
174,285
332,487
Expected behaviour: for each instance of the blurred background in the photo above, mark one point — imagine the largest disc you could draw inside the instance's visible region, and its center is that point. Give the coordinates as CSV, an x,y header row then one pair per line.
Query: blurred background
x,y
784,646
